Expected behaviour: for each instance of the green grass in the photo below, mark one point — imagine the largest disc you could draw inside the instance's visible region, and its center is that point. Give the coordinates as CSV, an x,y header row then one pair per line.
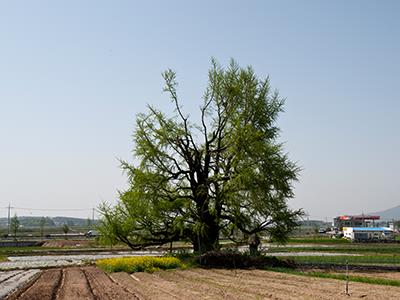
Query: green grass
x,y
11,251
349,248
317,240
139,264
353,260
369,280
29,249
20,250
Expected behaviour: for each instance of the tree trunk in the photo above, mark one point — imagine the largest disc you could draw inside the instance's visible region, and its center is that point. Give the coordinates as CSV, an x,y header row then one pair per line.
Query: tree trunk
x,y
254,243
208,238
209,241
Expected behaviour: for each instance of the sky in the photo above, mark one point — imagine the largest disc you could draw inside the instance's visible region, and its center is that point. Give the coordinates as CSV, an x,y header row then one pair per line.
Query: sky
x,y
74,74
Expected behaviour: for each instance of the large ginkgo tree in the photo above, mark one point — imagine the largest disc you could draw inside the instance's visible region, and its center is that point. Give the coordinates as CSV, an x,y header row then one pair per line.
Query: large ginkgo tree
x,y
226,175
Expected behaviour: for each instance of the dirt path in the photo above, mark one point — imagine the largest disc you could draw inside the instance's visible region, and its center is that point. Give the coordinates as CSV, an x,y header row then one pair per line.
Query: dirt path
x,y
74,285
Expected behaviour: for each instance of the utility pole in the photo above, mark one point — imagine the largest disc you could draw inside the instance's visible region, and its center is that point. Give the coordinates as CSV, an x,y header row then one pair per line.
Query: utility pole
x,y
93,217
8,220
347,279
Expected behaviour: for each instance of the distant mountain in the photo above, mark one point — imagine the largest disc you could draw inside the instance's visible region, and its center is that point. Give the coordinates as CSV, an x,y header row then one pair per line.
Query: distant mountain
x,y
70,221
312,223
388,214
28,221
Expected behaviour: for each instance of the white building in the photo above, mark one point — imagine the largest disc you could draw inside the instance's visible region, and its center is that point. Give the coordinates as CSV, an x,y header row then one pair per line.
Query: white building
x,y
363,234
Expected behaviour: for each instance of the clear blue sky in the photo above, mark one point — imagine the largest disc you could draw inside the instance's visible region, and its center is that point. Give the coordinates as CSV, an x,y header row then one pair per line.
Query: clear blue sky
x,y
73,75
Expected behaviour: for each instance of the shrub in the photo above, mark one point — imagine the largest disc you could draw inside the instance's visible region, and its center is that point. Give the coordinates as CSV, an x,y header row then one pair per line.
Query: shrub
x,y
139,264
229,259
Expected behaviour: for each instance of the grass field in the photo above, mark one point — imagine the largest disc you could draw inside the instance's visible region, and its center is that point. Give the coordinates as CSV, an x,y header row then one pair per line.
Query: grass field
x,y
347,248
353,278
19,250
353,260
374,253
317,240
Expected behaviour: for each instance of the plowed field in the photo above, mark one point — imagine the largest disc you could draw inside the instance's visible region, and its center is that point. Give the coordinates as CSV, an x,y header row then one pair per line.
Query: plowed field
x,y
92,283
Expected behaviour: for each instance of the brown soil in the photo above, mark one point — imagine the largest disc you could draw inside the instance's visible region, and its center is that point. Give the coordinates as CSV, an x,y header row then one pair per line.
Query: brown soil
x,y
250,284
45,287
91,283
74,283
104,288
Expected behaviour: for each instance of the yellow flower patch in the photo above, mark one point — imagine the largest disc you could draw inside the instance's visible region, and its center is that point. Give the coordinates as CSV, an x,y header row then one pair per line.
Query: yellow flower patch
x,y
139,264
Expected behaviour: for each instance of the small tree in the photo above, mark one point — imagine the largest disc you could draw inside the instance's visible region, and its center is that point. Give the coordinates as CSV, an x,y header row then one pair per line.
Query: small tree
x,y
65,229
88,224
14,225
42,224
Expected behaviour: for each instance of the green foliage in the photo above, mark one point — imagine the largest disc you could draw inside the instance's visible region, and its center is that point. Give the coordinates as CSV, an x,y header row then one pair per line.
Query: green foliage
x,y
227,174
190,259
65,228
88,224
139,264
235,259
42,224
14,225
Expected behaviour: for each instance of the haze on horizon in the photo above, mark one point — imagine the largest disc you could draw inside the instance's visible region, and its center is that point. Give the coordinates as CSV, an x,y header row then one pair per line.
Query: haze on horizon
x,y
74,75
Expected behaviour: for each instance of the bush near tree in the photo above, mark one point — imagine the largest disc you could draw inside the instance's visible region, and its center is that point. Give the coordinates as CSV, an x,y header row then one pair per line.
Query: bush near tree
x,y
225,175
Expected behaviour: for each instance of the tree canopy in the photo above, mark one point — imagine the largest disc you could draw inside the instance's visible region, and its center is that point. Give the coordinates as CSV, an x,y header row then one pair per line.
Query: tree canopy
x,y
226,175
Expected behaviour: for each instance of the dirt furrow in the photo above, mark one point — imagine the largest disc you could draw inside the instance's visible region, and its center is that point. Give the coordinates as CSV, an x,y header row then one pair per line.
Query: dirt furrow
x,y
143,289
45,286
245,285
204,287
177,289
248,283
91,283
314,288
104,288
74,286
172,287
